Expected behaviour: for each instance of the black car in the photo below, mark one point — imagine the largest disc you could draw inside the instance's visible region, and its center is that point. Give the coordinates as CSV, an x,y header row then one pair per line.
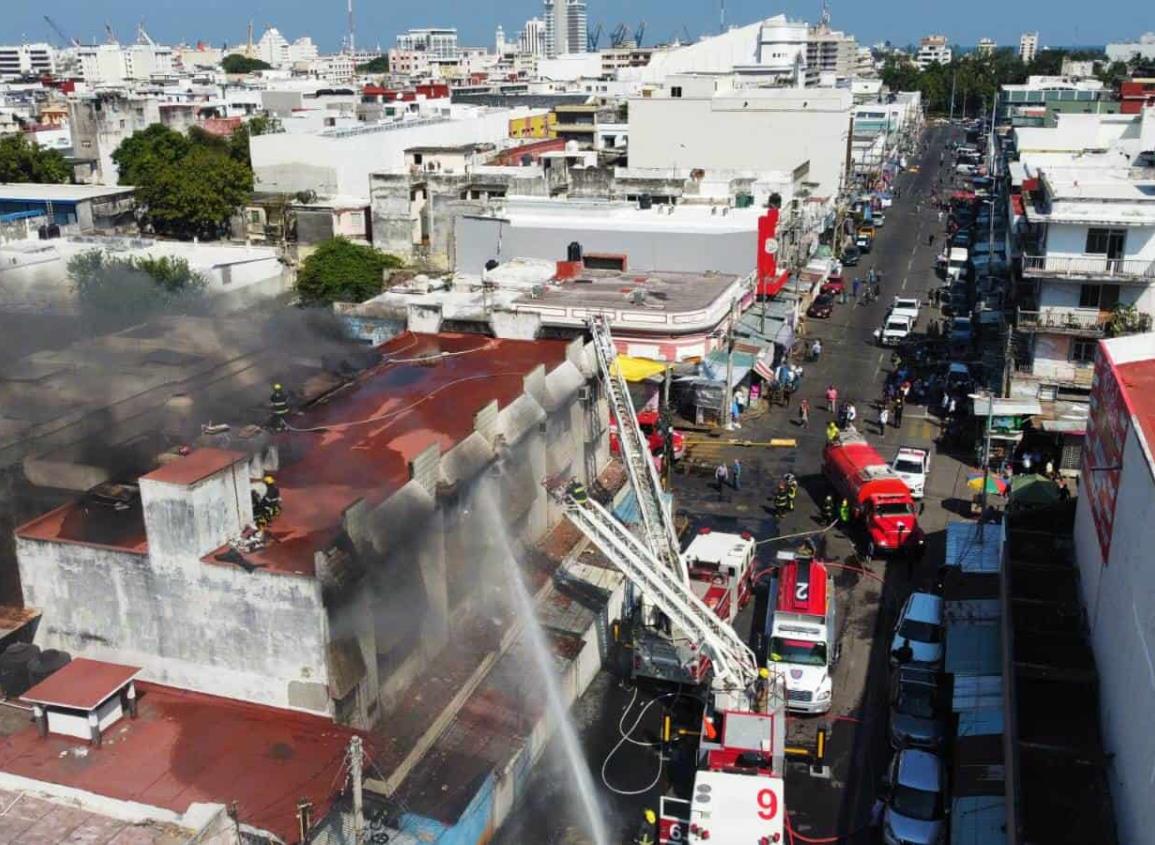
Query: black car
x,y
851,256
918,709
822,306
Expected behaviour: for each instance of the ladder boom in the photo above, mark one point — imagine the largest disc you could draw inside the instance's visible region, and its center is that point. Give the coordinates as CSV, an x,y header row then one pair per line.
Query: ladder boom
x,y
659,530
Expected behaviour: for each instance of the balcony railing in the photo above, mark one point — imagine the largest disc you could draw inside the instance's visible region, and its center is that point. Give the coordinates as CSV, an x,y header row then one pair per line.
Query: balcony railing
x,y
1138,270
1081,321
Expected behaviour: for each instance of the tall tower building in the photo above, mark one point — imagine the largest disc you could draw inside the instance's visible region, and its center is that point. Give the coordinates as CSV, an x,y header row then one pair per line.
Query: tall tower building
x,y
565,27
1028,46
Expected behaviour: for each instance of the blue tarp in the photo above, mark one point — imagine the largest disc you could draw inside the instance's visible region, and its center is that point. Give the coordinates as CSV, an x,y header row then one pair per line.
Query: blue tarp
x,y
973,649
979,820
628,513
974,548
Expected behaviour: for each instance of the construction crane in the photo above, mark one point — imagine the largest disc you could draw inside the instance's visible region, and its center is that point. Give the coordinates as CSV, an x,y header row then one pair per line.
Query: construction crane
x,y
65,39
142,37
593,38
638,33
618,36
658,527
112,39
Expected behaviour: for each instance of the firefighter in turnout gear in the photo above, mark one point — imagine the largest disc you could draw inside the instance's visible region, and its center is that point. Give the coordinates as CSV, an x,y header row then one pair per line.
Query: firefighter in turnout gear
x,y
781,499
279,404
828,510
791,490
648,829
268,507
577,492
844,512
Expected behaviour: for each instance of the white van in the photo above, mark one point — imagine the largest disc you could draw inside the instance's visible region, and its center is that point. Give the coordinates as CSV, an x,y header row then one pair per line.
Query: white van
x,y
956,262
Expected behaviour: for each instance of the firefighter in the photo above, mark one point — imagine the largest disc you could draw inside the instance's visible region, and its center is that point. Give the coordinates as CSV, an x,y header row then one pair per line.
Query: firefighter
x,y
647,831
781,499
791,490
828,510
762,689
279,403
831,432
271,501
577,492
844,512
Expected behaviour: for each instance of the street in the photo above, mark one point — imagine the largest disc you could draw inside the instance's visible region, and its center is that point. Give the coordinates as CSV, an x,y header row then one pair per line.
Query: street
x,y
835,802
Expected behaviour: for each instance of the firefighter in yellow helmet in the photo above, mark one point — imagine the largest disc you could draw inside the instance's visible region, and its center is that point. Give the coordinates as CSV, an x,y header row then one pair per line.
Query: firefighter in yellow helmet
x,y
648,830
271,501
279,404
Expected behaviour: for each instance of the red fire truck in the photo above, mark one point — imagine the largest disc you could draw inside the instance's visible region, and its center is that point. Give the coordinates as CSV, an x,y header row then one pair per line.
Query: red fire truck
x,y
879,498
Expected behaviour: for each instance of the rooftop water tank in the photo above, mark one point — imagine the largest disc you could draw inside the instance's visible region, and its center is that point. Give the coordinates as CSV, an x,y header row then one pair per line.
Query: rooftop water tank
x,y
14,674
46,663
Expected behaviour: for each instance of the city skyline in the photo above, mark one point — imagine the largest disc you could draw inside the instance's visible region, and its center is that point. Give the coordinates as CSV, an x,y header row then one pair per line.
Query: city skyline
x,y
222,21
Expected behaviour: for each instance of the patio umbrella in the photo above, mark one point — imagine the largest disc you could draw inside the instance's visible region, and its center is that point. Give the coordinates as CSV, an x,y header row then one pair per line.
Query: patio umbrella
x,y
995,484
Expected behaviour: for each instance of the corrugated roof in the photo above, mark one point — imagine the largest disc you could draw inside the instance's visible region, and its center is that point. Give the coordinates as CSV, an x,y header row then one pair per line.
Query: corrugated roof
x,y
971,610
979,820
977,692
985,721
973,649
974,548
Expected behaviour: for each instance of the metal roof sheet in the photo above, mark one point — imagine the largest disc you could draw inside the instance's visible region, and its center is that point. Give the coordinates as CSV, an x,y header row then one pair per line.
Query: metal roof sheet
x,y
973,649
979,820
986,721
977,692
971,610
974,548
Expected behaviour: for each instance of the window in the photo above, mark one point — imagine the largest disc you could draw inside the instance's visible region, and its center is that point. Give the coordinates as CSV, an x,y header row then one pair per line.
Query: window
x,y
676,91
1103,297
1083,351
1108,242
417,158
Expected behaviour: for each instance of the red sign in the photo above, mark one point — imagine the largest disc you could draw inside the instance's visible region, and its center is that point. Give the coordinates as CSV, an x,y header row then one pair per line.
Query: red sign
x,y
767,251
1107,428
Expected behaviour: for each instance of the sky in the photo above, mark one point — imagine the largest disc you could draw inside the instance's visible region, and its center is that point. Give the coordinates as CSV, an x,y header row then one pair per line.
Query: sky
x,y
1059,22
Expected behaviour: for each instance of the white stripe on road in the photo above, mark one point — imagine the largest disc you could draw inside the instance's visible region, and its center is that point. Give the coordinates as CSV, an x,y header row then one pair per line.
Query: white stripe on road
x,y
904,278
877,369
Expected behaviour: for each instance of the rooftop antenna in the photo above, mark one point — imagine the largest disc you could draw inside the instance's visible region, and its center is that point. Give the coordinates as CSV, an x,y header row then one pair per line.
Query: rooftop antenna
x,y
824,16
249,49
349,37
722,17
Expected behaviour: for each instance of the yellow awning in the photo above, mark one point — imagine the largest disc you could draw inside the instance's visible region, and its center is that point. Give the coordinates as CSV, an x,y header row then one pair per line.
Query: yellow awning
x,y
639,369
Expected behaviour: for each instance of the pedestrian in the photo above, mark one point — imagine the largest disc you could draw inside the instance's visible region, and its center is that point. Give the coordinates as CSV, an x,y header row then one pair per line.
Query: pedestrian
x,y
736,474
791,490
831,432
855,286
851,413
1050,469
1064,490
904,653
721,474
945,401
953,406
930,239
883,419
804,413
831,398
899,406
940,215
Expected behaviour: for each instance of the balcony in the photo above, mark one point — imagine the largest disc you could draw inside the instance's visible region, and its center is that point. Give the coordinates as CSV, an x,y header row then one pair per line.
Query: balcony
x,y
1090,267
1085,322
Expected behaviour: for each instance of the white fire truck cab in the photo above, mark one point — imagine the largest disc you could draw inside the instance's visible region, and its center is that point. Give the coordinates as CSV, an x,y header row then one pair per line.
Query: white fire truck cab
x,y
801,631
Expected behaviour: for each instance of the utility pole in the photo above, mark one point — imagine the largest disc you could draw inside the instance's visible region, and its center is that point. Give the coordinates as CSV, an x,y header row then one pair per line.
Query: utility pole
x,y
355,761
727,398
953,81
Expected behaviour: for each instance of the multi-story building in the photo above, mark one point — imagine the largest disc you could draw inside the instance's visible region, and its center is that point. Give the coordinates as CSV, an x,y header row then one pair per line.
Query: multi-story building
x,y
1028,46
436,43
1088,249
986,46
100,122
532,41
565,27
409,62
933,50
616,58
1125,51
830,53
1041,99
26,60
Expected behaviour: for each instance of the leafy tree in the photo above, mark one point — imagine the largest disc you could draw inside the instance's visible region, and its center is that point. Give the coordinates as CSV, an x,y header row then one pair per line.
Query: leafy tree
x,y
1127,319
340,270
236,63
186,186
22,160
380,64
239,141
116,290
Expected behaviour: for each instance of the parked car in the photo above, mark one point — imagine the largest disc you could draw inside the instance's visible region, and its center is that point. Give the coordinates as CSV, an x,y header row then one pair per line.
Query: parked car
x,y
919,628
961,330
851,256
906,306
822,306
918,709
958,377
864,243
834,285
915,801
894,330
913,466
879,219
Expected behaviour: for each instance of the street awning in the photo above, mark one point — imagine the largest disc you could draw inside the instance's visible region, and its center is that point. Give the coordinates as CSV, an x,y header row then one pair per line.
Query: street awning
x,y
1075,427
639,369
714,367
1006,407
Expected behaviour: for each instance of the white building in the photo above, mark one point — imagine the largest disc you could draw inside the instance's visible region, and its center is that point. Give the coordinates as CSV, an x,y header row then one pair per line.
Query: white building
x,y
409,62
26,60
273,48
1114,535
830,54
986,46
434,42
565,27
933,50
1028,46
1087,237
707,122
531,41
1124,51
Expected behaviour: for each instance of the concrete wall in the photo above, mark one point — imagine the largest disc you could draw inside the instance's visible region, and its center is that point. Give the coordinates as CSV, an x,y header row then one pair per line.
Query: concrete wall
x,y
482,238
745,130
1070,240
1120,604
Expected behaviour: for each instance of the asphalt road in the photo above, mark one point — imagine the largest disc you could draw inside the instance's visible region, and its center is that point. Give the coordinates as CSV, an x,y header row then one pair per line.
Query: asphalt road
x,y
837,802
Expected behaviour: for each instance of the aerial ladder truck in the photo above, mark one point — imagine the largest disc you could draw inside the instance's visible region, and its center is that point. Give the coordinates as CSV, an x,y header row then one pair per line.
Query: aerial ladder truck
x,y
738,786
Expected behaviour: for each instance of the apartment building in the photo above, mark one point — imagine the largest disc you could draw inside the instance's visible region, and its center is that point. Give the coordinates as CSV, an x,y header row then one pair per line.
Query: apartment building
x,y
933,50
437,43
986,46
830,54
26,60
565,27
1028,46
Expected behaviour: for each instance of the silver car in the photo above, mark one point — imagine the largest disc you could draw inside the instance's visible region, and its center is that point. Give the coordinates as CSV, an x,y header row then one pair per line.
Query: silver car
x,y
916,804
917,709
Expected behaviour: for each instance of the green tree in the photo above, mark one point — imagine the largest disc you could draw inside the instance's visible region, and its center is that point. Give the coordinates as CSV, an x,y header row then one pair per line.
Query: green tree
x,y
22,160
380,64
186,186
340,270
239,141
236,63
115,290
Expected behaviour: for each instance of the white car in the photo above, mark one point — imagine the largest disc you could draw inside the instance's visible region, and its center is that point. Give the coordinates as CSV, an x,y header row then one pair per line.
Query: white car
x,y
906,306
894,330
919,632
912,466
879,219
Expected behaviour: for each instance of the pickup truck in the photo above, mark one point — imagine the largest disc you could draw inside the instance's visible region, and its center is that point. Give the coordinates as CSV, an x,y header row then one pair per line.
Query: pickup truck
x,y
894,330
906,306
912,465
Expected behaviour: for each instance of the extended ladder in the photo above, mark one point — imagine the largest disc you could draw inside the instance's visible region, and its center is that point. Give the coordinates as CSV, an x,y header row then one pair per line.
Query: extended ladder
x,y
735,667
659,531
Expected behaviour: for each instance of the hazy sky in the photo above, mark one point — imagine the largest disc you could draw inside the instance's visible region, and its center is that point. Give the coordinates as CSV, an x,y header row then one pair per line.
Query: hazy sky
x,y
1059,22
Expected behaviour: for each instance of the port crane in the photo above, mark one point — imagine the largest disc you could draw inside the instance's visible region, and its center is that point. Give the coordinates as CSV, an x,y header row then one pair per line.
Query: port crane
x,y
738,787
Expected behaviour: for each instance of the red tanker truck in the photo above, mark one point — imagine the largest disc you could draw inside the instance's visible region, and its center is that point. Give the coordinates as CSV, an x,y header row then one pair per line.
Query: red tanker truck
x,y
879,499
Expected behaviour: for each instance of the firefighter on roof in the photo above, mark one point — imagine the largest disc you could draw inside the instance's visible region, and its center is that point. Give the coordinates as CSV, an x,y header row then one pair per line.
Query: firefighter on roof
x,y
279,404
577,492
